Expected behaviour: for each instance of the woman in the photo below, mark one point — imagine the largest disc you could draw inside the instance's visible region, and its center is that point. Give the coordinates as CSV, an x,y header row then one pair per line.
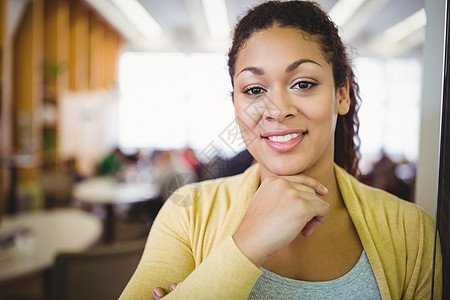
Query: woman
x,y
297,224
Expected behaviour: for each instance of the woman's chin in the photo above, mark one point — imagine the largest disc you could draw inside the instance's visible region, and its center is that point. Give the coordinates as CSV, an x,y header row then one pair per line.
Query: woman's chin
x,y
284,170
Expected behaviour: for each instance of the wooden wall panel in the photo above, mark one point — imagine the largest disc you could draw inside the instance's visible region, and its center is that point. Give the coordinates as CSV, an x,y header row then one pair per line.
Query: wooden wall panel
x,y
78,46
113,42
56,38
27,87
55,72
97,47
4,171
3,8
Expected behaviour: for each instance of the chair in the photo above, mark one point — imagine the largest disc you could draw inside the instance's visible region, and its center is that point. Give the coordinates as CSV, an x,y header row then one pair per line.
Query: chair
x,y
99,273
56,187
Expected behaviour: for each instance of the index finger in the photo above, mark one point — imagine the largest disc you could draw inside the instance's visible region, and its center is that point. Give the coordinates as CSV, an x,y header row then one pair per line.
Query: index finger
x,y
309,182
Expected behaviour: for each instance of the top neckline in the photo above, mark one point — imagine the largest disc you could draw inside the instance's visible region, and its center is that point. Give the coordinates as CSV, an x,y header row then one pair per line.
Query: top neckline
x,y
361,264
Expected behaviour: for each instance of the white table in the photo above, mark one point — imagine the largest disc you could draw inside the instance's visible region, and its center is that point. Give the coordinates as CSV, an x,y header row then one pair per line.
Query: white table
x,y
108,192
53,231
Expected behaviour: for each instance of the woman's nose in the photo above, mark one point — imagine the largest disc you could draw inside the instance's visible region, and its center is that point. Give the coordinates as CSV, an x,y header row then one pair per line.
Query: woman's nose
x,y
279,107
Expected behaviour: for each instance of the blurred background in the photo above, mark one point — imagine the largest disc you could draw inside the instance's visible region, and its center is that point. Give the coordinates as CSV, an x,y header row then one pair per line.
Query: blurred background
x,y
107,106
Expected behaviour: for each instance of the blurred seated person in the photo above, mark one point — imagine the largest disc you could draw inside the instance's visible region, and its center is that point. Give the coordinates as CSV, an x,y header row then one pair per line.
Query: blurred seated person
x,y
170,171
112,163
385,175
188,159
223,167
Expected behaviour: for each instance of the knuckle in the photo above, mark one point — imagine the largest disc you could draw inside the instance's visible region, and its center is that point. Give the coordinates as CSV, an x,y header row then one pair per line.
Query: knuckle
x,y
280,182
291,192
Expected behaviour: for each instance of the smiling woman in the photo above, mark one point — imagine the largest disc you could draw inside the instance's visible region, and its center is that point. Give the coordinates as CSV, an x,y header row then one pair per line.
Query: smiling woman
x,y
297,224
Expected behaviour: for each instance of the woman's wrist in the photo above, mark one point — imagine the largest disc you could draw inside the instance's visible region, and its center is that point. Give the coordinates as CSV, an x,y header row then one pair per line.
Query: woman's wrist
x,y
251,249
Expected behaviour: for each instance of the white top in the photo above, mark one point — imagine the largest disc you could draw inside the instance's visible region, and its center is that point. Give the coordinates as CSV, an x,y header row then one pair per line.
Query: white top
x,y
48,233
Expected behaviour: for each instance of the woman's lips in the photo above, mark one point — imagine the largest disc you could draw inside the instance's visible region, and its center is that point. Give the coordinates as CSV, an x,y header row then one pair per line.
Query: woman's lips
x,y
284,140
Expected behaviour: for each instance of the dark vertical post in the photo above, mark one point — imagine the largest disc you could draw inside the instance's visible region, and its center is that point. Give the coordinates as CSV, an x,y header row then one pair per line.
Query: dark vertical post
x,y
443,206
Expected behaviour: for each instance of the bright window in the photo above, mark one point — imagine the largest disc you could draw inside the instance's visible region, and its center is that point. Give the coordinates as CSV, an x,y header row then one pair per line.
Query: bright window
x,y
389,115
173,100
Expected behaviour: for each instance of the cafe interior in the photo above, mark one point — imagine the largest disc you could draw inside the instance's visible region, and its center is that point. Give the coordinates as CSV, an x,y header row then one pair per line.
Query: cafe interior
x,y
108,106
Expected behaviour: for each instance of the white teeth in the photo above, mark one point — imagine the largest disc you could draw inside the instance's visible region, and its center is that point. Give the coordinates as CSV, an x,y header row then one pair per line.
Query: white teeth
x,y
283,138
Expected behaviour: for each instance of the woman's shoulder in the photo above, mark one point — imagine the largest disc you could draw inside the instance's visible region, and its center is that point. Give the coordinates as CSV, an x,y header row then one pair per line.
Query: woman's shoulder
x,y
379,203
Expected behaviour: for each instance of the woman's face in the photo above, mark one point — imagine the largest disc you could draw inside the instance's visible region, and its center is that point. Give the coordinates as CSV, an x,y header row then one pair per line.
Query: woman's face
x,y
286,103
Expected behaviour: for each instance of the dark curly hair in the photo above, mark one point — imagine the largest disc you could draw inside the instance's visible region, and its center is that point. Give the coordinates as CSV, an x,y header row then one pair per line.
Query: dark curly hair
x,y
310,18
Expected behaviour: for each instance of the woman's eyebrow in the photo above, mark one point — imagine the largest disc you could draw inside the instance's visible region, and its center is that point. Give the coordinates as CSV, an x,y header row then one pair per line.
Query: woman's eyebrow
x,y
254,70
290,68
297,63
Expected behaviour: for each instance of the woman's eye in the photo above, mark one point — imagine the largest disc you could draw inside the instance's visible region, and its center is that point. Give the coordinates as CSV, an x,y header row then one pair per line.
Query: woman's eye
x,y
254,91
304,85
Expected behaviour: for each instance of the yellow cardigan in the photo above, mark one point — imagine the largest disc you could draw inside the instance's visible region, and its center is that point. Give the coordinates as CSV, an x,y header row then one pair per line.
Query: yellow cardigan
x,y
190,242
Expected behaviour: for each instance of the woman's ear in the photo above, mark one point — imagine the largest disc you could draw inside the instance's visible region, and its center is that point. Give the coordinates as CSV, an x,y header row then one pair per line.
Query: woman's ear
x,y
343,98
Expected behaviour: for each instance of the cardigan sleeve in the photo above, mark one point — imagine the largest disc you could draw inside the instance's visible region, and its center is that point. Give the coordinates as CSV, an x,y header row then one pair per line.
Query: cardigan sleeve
x,y
226,273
